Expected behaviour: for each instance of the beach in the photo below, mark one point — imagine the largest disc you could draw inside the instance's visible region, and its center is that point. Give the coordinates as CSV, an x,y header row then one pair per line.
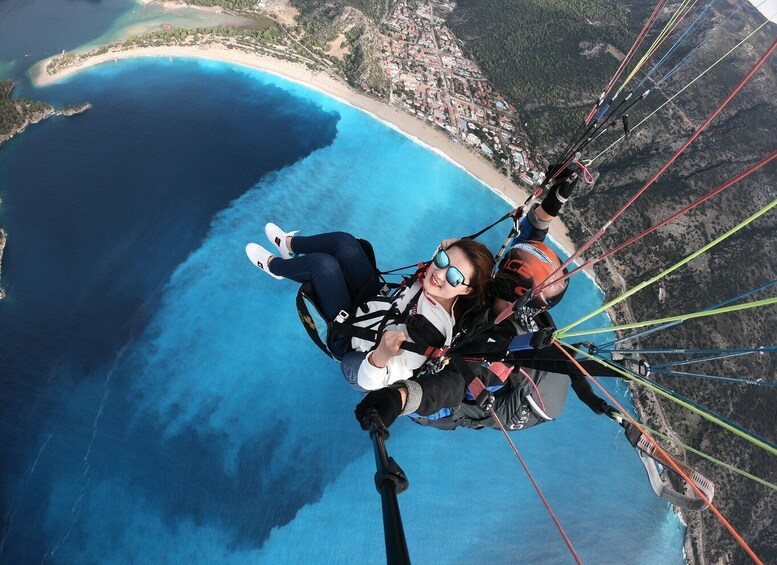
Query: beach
x,y
403,122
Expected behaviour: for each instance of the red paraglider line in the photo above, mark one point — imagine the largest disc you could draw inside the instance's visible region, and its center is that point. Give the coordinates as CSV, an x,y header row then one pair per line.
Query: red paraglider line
x,y
627,59
671,160
539,491
766,160
666,456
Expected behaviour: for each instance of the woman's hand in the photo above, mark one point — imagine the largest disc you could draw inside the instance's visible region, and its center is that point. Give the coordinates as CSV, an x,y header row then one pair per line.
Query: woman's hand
x,y
389,347
446,243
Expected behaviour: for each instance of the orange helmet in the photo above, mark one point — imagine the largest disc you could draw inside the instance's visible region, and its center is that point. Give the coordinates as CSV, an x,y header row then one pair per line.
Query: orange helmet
x,y
527,266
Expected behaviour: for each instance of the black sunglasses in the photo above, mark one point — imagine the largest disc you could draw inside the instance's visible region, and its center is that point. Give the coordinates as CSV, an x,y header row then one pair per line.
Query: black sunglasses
x,y
452,275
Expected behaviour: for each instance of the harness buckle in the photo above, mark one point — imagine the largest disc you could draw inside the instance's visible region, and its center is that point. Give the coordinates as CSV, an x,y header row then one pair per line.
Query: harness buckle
x,y
485,400
436,364
342,317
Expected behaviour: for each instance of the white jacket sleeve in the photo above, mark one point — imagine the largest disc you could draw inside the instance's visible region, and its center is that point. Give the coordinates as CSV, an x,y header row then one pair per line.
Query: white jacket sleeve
x,y
401,367
371,377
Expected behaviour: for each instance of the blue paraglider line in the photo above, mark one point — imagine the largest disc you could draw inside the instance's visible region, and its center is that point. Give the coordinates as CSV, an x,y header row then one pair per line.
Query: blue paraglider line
x,y
610,344
723,355
677,43
758,382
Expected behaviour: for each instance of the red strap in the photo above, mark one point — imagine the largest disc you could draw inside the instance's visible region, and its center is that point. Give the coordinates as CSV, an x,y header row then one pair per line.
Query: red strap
x,y
476,387
435,352
500,370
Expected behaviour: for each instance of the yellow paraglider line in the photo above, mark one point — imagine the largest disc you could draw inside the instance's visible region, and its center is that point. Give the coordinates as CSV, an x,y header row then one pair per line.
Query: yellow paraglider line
x,y
589,162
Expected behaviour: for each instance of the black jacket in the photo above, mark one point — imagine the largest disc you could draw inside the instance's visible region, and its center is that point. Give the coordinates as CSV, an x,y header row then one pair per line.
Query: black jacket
x,y
428,393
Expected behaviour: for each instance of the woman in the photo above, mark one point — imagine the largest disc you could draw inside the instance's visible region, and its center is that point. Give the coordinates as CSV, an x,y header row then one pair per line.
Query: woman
x,y
340,270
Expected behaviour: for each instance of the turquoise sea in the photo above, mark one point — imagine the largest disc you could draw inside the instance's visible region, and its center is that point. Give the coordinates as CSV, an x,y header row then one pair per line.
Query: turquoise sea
x,y
160,400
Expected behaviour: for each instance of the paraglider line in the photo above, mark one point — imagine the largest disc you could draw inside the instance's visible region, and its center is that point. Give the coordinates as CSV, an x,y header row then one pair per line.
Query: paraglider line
x,y
658,39
763,349
694,24
637,42
685,402
752,168
723,354
666,272
671,160
646,118
674,21
537,488
609,344
711,458
661,451
702,314
758,382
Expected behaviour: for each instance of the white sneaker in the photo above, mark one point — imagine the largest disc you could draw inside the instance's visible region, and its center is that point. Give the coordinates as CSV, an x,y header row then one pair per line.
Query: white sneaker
x,y
278,238
260,257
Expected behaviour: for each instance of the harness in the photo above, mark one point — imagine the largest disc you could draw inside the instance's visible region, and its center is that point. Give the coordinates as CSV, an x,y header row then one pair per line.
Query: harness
x,y
527,398
333,337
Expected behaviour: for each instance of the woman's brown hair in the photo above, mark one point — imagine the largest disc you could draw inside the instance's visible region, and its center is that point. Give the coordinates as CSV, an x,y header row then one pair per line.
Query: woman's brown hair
x,y
483,264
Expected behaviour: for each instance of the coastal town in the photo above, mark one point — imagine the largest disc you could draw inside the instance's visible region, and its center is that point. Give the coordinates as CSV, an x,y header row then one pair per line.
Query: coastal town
x,y
430,77
425,72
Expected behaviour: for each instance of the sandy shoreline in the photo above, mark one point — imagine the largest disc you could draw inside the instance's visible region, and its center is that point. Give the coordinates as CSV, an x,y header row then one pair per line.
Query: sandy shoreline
x,y
321,81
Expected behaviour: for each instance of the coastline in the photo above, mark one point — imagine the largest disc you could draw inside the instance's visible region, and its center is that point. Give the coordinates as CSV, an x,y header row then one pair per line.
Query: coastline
x,y
3,240
395,118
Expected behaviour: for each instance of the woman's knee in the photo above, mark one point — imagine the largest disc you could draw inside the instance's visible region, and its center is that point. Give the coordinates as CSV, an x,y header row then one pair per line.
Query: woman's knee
x,y
349,249
346,241
326,268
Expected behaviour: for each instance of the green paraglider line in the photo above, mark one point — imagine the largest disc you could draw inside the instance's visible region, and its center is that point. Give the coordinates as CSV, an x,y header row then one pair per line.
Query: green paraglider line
x,y
702,314
670,218
564,332
589,162
756,441
610,344
593,239
711,458
679,14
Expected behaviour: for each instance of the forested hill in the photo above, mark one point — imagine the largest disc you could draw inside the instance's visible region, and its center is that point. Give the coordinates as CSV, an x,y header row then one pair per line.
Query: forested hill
x,y
548,55
552,58
16,114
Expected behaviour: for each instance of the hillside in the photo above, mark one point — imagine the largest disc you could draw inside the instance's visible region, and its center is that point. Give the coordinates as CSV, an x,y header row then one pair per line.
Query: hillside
x,y
17,114
549,86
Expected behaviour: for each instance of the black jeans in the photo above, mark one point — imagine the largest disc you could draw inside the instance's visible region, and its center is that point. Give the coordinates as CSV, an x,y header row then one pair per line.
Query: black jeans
x,y
337,266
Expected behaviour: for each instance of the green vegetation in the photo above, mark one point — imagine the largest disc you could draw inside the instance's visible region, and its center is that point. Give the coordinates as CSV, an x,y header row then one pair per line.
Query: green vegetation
x,y
373,9
267,34
15,113
321,21
370,8
316,23
318,31
542,53
235,5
